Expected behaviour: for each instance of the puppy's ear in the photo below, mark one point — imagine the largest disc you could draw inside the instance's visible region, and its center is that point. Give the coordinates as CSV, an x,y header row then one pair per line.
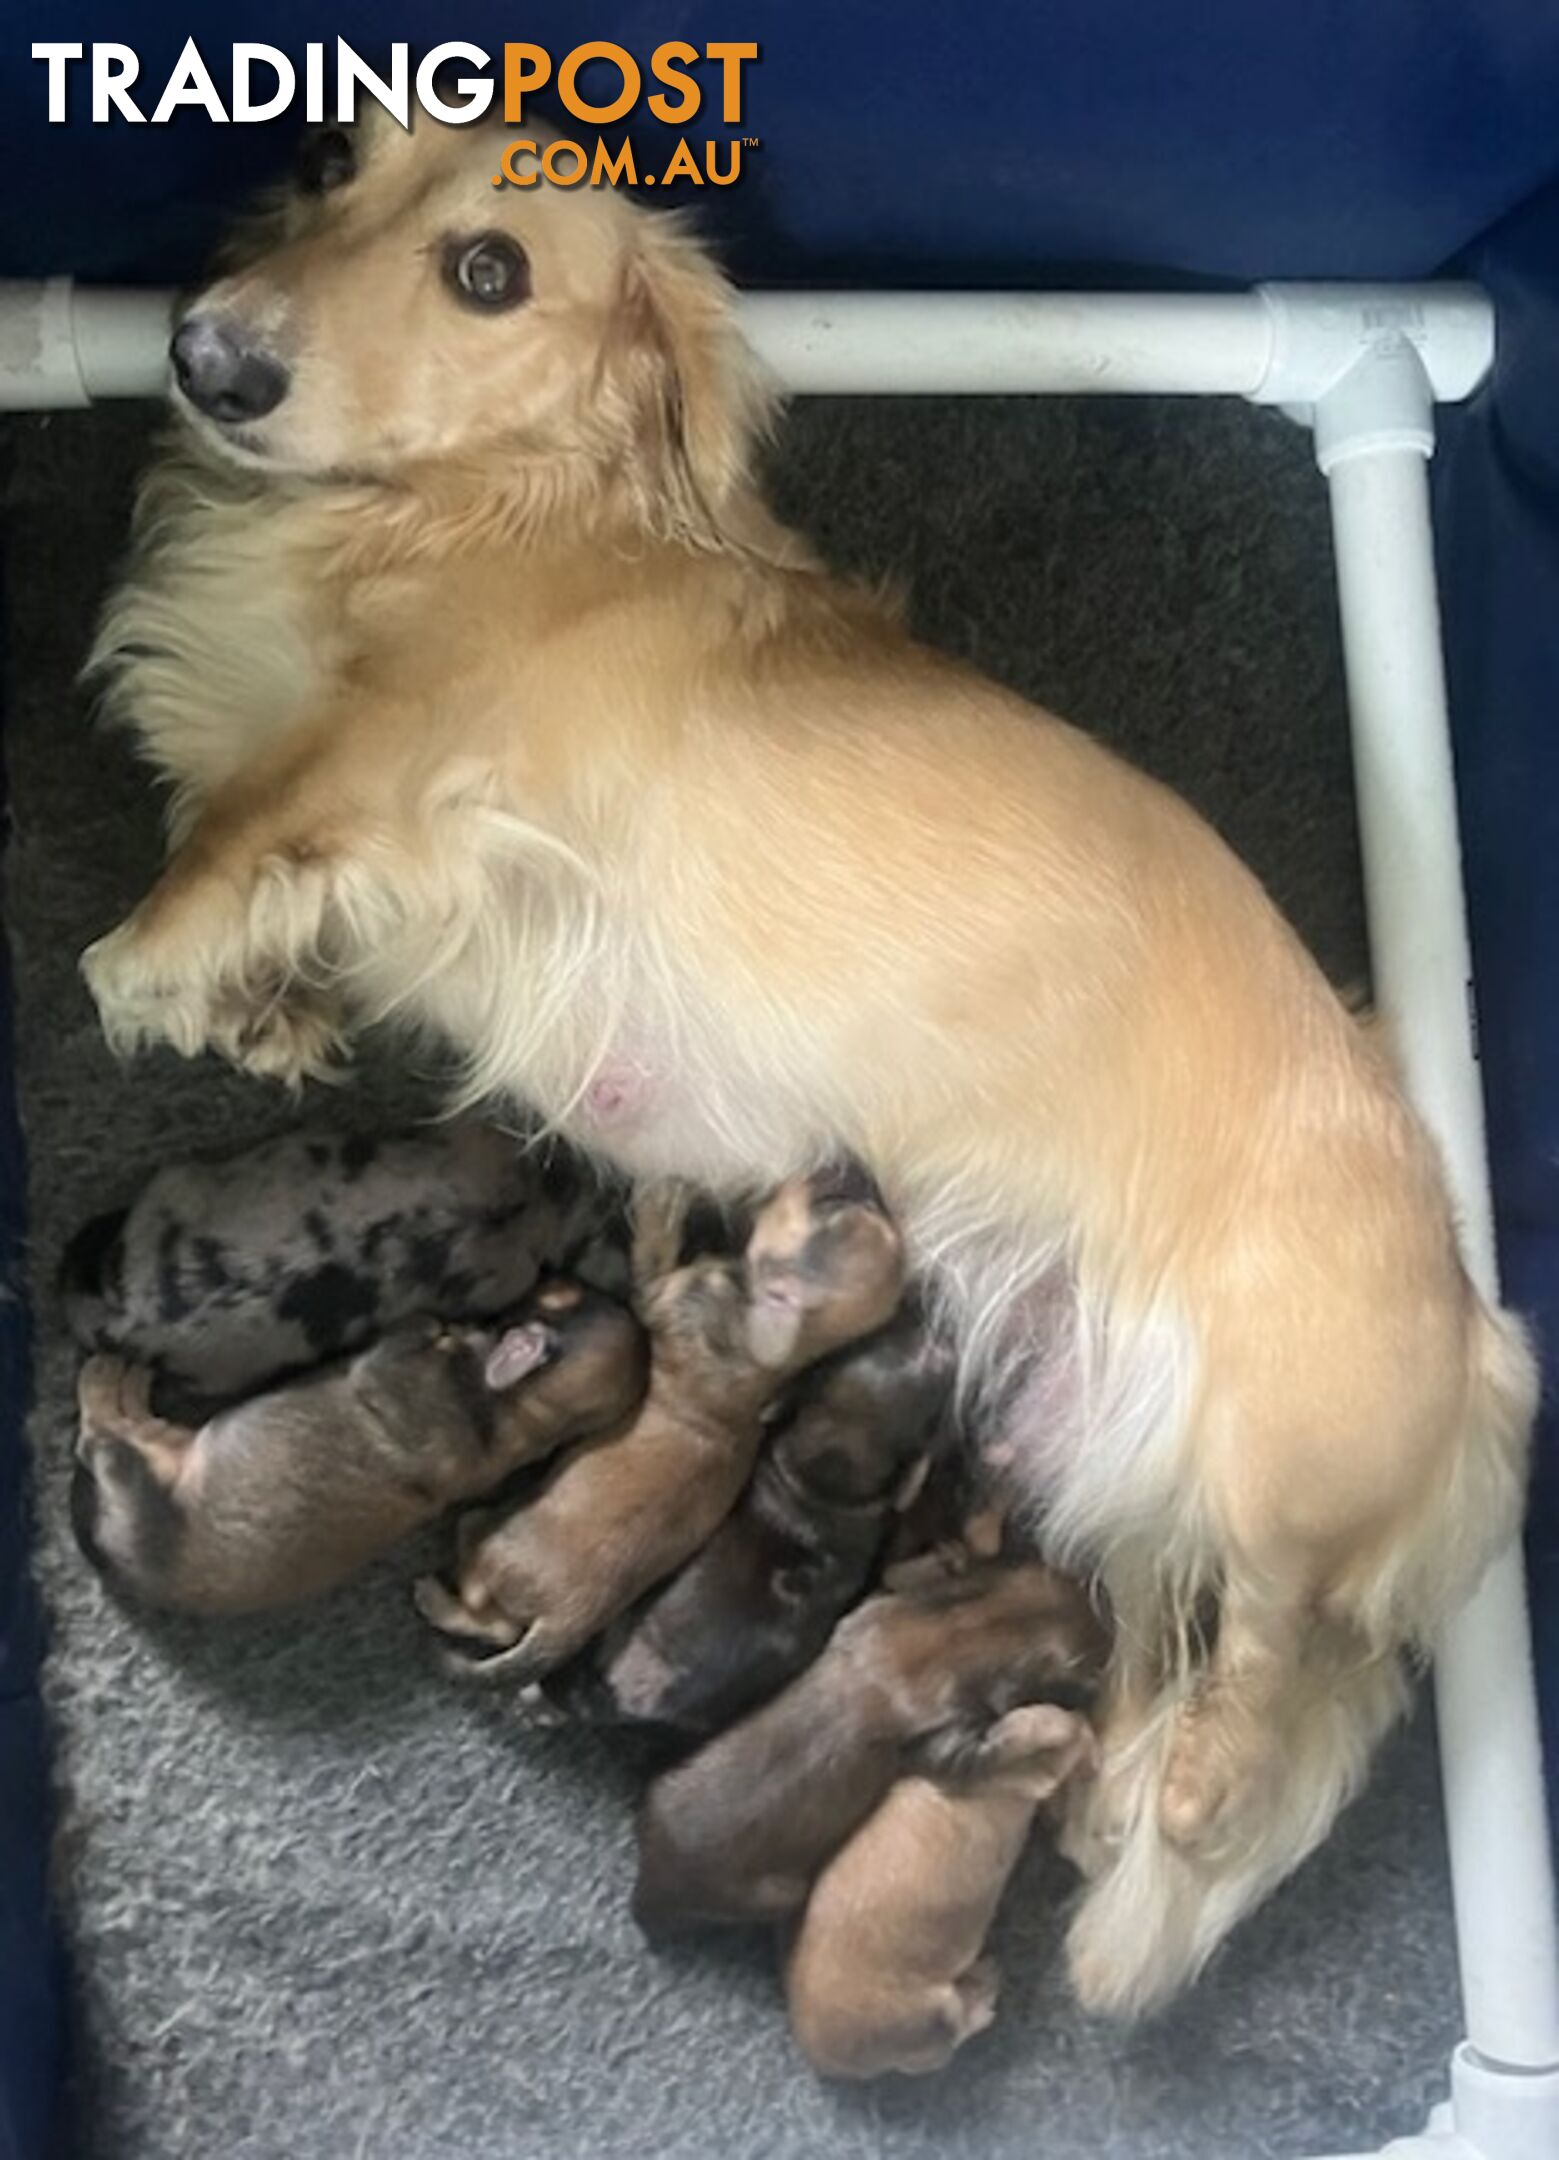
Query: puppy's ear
x,y
696,399
518,1352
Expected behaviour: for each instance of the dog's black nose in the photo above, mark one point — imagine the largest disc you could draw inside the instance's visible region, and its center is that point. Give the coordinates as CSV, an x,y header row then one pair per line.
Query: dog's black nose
x,y
221,375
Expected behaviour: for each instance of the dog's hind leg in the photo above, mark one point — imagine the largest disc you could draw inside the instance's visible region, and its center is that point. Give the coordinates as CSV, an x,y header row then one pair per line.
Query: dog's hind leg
x,y
1155,1913
1231,1740
1228,1740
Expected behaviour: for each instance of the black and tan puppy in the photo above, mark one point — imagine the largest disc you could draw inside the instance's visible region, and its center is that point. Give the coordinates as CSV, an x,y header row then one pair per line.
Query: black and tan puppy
x,y
889,1970
917,1680
288,1493
756,1606
821,1267
225,1274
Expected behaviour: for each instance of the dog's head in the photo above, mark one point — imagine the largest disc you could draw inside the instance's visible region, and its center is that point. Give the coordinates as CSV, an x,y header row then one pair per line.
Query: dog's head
x,y
394,310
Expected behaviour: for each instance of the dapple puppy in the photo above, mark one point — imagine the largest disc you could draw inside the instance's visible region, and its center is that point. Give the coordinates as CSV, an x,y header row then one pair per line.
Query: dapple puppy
x,y
820,1268
290,1492
888,1970
224,1274
917,1680
756,1606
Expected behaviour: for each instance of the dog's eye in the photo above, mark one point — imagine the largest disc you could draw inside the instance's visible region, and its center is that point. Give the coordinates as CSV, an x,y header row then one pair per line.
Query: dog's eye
x,y
491,272
326,160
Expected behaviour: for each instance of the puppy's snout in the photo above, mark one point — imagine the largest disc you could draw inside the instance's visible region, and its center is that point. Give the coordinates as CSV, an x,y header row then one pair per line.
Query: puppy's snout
x,y
223,373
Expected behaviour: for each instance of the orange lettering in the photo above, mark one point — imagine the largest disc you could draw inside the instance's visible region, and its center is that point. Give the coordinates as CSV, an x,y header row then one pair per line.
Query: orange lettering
x,y
663,68
525,68
581,108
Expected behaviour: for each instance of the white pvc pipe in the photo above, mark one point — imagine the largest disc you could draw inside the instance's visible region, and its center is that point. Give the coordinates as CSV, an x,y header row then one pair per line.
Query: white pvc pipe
x,y
869,344
121,340
1282,344
1501,1867
63,344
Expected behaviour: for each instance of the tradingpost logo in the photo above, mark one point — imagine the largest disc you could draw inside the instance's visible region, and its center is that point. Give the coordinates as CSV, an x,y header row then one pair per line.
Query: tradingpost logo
x,y
681,84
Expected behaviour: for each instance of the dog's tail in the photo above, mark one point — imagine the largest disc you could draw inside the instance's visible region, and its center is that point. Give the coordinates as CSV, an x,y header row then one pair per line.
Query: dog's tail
x,y
1474,1509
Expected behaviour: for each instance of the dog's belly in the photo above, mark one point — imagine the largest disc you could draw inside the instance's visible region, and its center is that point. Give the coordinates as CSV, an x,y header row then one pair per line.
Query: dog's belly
x,y
652,1114
1085,1427
1084,1406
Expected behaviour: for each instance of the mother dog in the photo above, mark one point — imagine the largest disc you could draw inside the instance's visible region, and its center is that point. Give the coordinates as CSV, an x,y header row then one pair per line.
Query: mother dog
x,y
492,697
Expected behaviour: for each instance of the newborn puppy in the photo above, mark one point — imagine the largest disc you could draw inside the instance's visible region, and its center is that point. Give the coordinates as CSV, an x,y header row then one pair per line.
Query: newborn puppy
x,y
289,1492
917,1680
887,1971
756,1606
224,1275
820,1268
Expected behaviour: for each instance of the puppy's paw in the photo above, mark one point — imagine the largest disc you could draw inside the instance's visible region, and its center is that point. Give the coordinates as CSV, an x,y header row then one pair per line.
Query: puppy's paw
x,y
478,1649
445,1609
979,1990
112,1398
1043,1747
488,1662
940,1563
1096,1810
97,1396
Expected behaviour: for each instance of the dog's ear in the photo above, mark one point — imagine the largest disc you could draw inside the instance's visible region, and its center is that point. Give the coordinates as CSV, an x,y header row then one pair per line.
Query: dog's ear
x,y
696,400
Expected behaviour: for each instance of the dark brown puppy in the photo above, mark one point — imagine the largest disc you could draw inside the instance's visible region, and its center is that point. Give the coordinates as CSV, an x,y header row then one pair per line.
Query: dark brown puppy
x,y
916,1680
288,1493
821,1267
756,1606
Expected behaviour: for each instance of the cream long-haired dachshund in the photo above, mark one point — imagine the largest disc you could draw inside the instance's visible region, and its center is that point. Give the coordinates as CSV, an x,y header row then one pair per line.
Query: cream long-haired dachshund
x,y
491,697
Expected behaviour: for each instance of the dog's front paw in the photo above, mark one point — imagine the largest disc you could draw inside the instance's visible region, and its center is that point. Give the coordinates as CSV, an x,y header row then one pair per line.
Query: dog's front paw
x,y
140,1002
292,1035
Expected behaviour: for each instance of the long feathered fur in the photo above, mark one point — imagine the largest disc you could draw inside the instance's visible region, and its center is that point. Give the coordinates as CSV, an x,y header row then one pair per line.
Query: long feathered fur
x,y
492,701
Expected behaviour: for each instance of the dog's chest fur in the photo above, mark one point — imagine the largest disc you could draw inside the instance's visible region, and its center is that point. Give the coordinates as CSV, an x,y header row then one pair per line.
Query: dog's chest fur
x,y
217,640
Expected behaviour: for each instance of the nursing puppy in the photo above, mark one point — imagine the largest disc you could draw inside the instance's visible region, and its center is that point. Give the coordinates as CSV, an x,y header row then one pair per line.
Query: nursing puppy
x,y
888,1969
292,1491
223,1274
920,1679
621,1514
489,694
757,1604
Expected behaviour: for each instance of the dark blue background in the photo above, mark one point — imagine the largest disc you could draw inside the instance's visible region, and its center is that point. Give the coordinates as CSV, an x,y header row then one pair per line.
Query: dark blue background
x,y
1065,141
